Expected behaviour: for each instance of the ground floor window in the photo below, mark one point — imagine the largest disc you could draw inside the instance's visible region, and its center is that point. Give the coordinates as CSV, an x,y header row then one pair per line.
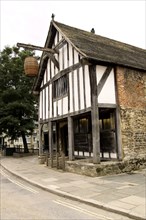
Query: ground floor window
x,y
107,132
83,136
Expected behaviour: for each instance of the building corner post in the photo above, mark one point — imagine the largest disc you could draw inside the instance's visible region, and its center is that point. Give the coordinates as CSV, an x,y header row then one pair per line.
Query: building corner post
x,y
94,115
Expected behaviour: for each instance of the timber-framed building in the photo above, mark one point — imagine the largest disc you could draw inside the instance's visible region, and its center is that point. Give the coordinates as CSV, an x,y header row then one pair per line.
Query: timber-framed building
x,y
92,98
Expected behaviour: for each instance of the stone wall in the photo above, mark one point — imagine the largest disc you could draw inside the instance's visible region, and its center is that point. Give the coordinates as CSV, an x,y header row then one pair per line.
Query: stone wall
x,y
131,92
87,168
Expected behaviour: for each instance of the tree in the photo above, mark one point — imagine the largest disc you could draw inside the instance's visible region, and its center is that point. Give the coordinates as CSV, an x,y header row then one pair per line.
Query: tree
x,y
17,103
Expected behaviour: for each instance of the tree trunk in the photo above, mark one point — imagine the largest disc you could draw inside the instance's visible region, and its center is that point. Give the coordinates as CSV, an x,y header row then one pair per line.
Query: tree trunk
x,y
24,143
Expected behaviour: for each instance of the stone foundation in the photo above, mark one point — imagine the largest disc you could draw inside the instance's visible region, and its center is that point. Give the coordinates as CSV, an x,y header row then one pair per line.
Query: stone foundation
x,y
87,168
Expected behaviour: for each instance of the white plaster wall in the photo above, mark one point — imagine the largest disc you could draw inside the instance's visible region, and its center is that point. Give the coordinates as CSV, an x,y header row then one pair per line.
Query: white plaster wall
x,y
76,95
40,106
60,36
52,69
107,94
99,72
82,104
70,56
87,87
65,105
65,56
48,67
56,38
47,100
60,59
50,93
43,104
59,107
55,113
71,92
76,57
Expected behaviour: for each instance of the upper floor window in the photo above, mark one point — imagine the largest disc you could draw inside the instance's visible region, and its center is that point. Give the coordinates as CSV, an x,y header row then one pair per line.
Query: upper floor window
x,y
60,87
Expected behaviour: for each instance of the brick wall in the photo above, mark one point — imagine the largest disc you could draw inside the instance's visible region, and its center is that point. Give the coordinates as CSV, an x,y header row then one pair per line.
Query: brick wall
x,y
131,92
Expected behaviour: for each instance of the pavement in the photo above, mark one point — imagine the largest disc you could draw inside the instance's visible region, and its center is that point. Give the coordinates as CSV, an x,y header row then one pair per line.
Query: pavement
x,y
123,193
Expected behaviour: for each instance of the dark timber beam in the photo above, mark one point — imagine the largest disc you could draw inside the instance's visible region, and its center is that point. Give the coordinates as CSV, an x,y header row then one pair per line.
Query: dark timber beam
x,y
53,59
94,115
33,47
50,143
40,140
67,70
59,45
49,51
70,138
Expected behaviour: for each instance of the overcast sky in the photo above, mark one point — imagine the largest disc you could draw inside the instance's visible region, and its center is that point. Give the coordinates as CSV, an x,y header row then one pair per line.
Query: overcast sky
x,y
28,21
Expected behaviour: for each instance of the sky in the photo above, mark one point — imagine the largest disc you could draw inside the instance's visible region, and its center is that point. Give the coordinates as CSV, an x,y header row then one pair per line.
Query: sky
x,y
28,21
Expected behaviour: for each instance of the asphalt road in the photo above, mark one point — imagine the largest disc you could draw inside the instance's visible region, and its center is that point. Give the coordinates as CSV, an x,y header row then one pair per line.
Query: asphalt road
x,y
21,201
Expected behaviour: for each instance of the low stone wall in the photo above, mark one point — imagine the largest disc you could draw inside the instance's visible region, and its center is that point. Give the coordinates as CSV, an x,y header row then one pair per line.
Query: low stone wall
x,y
105,168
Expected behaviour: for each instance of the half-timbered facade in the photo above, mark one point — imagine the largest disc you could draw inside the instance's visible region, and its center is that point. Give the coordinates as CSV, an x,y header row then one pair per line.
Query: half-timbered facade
x,y
91,97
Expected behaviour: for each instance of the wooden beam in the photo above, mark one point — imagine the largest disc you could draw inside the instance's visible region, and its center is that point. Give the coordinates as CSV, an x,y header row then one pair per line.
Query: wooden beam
x,y
50,143
52,58
40,140
59,45
67,70
94,115
70,138
33,47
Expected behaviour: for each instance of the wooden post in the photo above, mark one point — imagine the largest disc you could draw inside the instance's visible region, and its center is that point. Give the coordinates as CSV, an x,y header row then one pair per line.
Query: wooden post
x,y
70,138
118,135
94,115
50,143
118,119
57,145
40,140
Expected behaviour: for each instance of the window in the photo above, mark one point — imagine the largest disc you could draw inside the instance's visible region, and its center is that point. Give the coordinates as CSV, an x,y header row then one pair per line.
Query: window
x,y
82,125
60,87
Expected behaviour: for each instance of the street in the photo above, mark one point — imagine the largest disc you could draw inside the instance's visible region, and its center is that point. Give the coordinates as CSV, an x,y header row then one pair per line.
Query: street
x,y
21,201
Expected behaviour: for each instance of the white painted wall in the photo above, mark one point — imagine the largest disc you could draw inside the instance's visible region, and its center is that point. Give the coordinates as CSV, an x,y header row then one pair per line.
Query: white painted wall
x,y
70,55
59,107
82,104
55,112
87,87
65,105
44,104
47,100
71,92
50,99
76,56
107,94
76,95
48,71
40,106
65,56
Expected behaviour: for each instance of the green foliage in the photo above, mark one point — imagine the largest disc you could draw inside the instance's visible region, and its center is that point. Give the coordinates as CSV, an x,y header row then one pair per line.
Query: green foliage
x,y
17,103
